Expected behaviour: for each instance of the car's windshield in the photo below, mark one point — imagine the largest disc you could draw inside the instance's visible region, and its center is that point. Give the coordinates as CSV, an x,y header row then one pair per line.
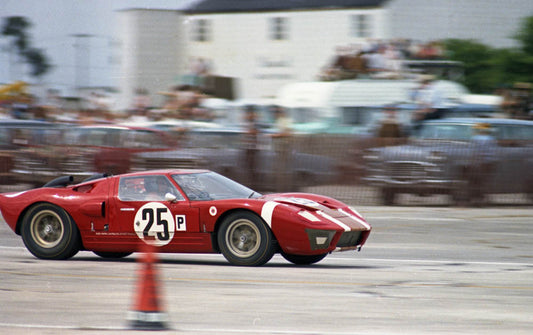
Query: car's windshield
x,y
211,186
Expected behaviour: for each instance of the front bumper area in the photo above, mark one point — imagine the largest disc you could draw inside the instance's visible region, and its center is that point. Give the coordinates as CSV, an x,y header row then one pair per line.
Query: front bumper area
x,y
325,239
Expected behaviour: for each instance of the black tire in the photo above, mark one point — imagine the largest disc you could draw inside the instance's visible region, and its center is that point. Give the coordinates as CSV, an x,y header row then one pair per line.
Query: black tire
x,y
303,259
49,232
111,254
244,239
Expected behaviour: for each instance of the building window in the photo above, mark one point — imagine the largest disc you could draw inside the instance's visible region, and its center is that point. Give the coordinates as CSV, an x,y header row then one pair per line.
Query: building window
x,y
201,30
279,28
361,26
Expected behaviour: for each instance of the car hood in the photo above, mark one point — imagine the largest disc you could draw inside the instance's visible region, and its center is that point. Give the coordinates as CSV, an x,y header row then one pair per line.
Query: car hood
x,y
330,209
311,202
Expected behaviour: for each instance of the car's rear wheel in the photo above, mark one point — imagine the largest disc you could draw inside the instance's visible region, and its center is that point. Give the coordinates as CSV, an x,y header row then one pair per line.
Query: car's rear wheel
x,y
49,232
110,254
244,239
303,259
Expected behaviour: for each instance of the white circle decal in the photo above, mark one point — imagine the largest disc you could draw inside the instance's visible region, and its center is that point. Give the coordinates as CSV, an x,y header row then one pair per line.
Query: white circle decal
x,y
213,210
154,224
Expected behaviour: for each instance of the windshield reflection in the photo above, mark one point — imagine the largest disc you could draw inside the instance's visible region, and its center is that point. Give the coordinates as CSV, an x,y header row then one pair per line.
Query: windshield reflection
x,y
212,186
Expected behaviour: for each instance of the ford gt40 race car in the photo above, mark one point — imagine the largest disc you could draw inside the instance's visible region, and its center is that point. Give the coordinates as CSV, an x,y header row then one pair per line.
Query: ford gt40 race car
x,y
186,211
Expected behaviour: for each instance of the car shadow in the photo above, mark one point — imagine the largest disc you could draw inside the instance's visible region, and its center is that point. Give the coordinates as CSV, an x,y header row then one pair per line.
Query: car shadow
x,y
275,263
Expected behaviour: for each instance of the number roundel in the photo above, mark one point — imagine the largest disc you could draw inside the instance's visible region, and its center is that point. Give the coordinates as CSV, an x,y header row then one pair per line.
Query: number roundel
x,y
154,224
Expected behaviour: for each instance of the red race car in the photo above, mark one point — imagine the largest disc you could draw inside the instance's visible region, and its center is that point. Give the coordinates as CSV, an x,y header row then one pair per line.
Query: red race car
x,y
187,211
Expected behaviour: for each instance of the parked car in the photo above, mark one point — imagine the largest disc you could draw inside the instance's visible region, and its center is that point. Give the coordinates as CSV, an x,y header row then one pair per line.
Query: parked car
x,y
440,157
16,135
221,150
86,150
190,211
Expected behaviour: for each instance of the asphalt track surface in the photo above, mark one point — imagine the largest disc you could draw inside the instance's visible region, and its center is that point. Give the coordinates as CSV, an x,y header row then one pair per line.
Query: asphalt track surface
x,y
423,271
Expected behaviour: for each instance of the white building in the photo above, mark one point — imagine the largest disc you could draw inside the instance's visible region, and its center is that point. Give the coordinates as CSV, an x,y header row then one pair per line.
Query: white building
x,y
266,44
152,50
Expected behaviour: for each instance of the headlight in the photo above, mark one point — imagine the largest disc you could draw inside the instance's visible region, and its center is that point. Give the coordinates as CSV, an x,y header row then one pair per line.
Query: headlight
x,y
308,216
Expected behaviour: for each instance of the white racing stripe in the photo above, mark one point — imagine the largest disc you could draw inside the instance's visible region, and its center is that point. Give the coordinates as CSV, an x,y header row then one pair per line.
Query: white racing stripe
x,y
356,219
267,211
335,221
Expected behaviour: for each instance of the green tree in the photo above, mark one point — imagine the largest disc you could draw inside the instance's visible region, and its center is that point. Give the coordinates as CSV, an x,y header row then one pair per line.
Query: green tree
x,y
16,28
479,72
525,35
488,68
38,61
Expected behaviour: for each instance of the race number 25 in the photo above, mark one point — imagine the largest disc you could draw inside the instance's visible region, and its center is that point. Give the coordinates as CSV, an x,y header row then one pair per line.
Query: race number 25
x,y
154,224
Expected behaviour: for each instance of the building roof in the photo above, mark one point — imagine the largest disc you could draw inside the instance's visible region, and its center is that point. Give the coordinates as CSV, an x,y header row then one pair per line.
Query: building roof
x,y
231,6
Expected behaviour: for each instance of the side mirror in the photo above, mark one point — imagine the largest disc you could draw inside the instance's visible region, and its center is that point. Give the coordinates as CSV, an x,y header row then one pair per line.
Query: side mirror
x,y
170,197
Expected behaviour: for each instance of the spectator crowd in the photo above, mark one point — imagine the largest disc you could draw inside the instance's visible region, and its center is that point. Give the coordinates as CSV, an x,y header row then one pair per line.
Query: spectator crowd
x,y
379,59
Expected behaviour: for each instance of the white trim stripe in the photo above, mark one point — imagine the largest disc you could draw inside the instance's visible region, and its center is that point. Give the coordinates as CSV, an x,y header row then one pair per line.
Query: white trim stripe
x,y
332,219
267,211
355,218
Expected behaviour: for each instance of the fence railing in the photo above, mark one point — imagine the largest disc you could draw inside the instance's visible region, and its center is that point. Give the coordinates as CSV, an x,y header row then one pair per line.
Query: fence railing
x,y
347,167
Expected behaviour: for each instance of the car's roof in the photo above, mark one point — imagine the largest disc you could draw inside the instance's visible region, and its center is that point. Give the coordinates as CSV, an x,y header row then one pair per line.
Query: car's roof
x,y
164,171
471,121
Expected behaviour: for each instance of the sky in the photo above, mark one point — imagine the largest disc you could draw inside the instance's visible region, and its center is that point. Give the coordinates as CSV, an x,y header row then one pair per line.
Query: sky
x,y
54,22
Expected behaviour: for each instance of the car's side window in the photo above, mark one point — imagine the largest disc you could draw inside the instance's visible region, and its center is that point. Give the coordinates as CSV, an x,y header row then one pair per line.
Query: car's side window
x,y
131,189
146,188
512,135
156,187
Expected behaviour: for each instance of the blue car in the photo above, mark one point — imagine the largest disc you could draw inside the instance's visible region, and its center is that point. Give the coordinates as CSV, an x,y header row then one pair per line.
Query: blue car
x,y
443,158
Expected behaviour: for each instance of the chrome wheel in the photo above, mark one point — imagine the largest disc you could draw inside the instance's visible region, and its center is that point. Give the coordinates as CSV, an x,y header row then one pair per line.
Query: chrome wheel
x,y
49,232
46,229
243,238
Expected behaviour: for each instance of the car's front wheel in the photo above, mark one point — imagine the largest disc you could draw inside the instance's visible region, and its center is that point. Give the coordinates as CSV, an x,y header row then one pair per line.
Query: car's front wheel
x,y
49,232
244,239
303,259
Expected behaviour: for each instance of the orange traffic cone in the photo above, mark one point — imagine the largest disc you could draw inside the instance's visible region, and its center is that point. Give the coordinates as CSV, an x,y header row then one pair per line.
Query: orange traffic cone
x,y
146,313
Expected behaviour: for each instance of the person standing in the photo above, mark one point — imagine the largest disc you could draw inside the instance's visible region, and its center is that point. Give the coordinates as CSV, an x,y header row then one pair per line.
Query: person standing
x,y
429,100
484,147
390,130
251,145
282,142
